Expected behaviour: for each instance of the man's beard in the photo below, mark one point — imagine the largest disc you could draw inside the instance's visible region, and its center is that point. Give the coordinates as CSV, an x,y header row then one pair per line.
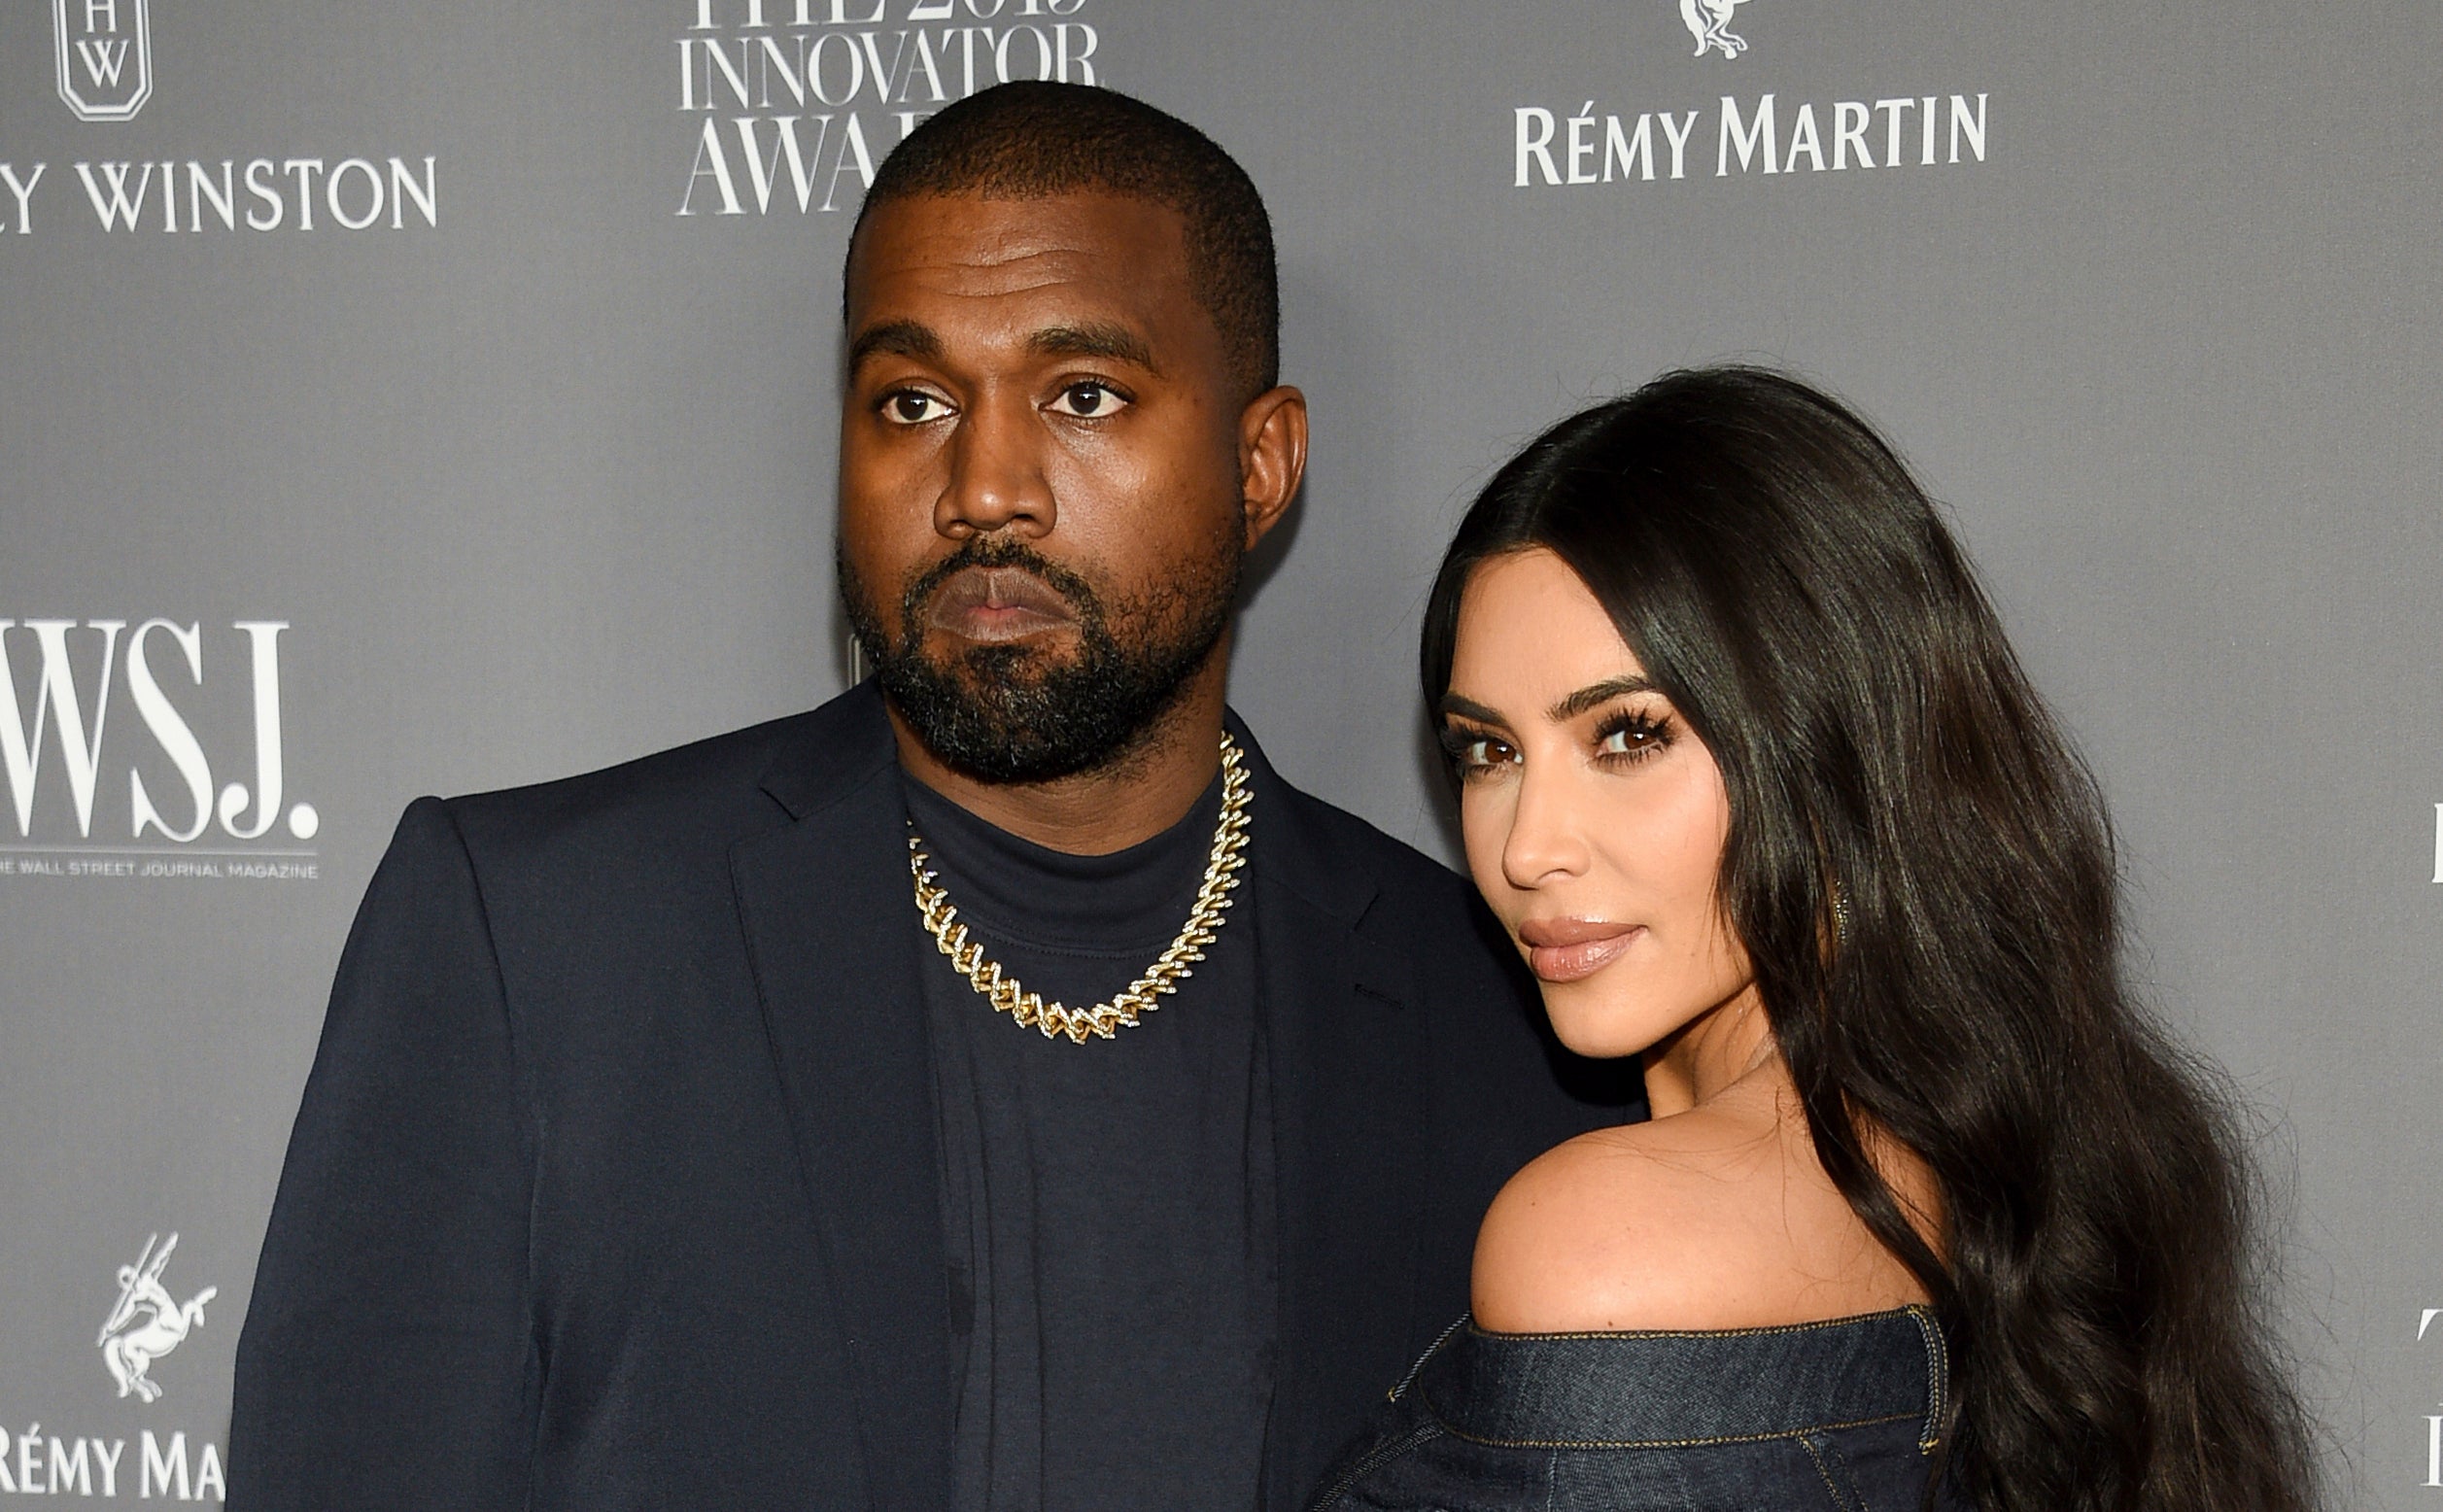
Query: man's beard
x,y
1012,713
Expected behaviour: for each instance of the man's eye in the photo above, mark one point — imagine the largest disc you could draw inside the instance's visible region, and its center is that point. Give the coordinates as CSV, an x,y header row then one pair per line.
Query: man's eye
x,y
910,407
1089,401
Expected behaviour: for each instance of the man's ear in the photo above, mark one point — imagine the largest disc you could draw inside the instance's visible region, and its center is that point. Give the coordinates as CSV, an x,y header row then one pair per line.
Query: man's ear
x,y
1271,457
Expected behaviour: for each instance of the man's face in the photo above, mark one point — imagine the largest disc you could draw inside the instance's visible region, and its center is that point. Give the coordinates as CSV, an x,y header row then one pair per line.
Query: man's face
x,y
1041,459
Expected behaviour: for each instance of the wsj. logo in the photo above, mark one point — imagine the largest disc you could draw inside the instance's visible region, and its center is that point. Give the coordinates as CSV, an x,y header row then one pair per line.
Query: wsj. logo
x,y
104,48
158,647
148,1322
1709,22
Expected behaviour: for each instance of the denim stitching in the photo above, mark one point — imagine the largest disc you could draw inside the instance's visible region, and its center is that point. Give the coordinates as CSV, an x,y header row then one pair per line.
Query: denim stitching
x,y
1938,1375
1659,1443
1375,1461
1916,1311
1937,1381
1435,1348
1842,1500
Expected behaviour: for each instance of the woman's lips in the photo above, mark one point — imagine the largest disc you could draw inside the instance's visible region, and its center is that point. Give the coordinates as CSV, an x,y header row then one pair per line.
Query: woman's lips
x,y
1567,949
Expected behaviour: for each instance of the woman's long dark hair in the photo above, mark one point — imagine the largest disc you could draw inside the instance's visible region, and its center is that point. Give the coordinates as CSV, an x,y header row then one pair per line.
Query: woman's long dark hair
x,y
1897,786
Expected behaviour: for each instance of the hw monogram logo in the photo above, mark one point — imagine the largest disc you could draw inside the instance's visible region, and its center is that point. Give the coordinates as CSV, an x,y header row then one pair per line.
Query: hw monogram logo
x,y
1709,22
105,54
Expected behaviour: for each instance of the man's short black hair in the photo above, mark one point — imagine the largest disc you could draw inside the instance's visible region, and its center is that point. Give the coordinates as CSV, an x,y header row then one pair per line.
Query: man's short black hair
x,y
1029,140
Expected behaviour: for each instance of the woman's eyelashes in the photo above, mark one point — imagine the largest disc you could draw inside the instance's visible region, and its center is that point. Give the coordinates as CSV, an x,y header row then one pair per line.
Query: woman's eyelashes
x,y
1473,752
1618,740
1632,735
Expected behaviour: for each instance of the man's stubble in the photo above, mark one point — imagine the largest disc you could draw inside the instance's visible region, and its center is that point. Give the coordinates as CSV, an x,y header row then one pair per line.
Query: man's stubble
x,y
1016,713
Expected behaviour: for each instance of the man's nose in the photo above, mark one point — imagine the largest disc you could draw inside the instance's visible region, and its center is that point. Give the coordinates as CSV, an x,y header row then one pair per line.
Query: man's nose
x,y
996,479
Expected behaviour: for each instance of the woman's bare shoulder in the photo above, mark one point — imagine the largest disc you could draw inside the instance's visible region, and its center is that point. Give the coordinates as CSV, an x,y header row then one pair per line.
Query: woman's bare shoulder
x,y
1707,1219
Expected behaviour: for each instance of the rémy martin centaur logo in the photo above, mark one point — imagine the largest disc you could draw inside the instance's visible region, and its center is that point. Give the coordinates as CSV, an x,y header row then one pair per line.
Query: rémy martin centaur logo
x,y
1709,22
146,1322
41,1456
44,1458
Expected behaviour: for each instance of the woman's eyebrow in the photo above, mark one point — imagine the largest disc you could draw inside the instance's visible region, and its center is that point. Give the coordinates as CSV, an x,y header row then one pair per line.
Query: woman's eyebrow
x,y
1595,695
1468,709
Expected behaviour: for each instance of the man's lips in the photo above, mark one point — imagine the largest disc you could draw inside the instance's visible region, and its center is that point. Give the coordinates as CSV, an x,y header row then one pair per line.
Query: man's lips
x,y
996,604
1566,949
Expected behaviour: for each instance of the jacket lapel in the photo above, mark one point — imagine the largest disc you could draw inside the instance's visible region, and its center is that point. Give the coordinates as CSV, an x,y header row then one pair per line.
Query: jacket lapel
x,y
1348,1094
818,899
842,1011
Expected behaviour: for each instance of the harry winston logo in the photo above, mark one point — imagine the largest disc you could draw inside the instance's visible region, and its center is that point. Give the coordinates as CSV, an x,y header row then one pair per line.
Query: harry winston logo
x,y
1709,22
104,48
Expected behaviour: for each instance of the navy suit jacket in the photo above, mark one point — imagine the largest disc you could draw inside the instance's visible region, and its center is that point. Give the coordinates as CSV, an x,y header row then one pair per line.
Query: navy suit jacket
x,y
614,1183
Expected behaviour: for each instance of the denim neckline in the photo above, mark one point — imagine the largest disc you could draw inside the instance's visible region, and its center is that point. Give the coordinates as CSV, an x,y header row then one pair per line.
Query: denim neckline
x,y
1660,1388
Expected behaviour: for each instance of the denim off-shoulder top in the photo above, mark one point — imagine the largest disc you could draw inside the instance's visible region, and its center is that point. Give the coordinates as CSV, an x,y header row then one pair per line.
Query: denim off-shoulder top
x,y
1840,1416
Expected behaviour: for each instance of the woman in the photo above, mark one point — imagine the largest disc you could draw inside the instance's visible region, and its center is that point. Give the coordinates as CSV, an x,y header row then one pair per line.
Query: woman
x,y
1928,1214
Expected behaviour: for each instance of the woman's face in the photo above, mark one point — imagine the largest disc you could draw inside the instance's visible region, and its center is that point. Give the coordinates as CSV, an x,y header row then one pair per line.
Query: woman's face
x,y
1594,818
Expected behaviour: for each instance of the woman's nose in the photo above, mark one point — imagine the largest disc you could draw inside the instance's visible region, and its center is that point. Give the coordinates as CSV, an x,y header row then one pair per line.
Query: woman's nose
x,y
1547,839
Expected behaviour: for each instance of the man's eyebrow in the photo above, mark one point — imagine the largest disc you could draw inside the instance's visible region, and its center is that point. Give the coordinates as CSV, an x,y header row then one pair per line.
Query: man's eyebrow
x,y
1099,339
900,339
1595,695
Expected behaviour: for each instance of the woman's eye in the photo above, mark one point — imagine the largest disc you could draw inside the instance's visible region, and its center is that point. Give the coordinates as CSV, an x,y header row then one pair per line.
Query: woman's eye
x,y
1631,738
1089,401
912,408
1473,754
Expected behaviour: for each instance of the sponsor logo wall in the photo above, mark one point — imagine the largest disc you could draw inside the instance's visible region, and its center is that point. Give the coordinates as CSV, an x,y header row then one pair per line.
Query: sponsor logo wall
x,y
54,736
827,85
144,1324
105,69
103,52
1749,135
423,399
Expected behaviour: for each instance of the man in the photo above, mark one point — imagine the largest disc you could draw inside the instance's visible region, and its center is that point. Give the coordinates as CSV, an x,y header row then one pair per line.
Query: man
x,y
993,1089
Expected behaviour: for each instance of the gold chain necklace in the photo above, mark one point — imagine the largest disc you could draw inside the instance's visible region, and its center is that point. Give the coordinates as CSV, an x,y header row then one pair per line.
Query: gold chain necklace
x,y
1145,994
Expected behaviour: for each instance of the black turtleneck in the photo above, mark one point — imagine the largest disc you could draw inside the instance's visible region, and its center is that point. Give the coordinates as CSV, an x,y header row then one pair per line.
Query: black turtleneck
x,y
1108,1207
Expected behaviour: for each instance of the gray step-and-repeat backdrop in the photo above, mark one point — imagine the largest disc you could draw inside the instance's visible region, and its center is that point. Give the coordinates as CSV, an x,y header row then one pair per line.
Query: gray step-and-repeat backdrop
x,y
424,398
